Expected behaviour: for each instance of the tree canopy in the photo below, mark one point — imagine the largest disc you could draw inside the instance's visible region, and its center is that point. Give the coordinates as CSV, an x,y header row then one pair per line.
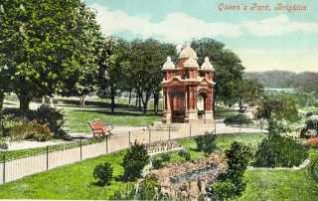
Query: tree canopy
x,y
228,68
47,44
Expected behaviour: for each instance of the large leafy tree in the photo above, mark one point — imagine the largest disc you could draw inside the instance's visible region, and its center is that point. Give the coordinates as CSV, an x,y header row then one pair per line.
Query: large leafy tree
x,y
4,81
228,68
45,44
249,91
279,107
146,59
114,54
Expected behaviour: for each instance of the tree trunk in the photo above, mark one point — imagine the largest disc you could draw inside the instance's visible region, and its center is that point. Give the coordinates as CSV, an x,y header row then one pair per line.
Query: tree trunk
x,y
136,97
112,97
129,99
82,101
1,101
1,106
145,106
139,101
156,103
145,101
51,102
24,104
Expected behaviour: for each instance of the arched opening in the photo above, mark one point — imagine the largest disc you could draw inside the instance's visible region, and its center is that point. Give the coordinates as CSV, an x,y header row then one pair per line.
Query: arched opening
x,y
201,105
177,104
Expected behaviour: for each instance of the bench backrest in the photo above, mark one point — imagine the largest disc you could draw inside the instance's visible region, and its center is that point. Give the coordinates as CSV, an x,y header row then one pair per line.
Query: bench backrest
x,y
97,125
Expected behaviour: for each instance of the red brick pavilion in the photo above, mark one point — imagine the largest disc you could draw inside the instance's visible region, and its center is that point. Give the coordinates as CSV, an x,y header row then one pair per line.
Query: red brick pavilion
x,y
188,89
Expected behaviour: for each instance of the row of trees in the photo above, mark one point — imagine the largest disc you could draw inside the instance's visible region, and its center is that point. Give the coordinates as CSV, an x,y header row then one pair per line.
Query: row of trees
x,y
54,47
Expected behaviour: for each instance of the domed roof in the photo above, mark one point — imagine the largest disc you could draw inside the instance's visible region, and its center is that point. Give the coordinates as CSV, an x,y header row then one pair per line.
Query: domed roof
x,y
168,64
207,65
188,52
191,63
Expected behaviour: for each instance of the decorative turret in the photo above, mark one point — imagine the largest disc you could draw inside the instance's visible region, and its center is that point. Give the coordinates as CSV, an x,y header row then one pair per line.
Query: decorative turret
x,y
207,65
188,52
168,65
191,63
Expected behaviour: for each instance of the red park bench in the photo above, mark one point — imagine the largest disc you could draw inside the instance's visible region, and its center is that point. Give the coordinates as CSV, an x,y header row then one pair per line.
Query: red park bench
x,y
99,128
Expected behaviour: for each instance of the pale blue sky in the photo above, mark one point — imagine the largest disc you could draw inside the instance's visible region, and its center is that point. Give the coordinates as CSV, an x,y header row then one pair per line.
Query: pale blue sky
x,y
264,40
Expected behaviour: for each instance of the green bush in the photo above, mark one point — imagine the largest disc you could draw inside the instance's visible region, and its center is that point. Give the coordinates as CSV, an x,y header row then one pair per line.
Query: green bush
x,y
31,131
238,157
166,157
223,190
186,154
149,188
238,119
103,173
44,115
313,169
160,160
231,183
311,124
53,118
279,151
134,161
206,143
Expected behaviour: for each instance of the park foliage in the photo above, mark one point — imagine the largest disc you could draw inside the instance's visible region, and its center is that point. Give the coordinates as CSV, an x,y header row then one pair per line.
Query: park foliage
x,y
134,161
103,173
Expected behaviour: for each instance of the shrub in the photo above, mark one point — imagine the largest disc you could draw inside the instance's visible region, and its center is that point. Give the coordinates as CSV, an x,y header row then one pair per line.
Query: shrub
x,y
278,127
186,154
313,169
311,127
223,190
206,143
103,173
45,115
238,157
52,117
134,161
279,151
30,130
166,157
149,188
231,183
160,160
238,119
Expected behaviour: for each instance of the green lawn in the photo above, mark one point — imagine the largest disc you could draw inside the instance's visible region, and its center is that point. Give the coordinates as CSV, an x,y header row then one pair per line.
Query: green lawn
x,y
222,113
68,182
279,185
77,119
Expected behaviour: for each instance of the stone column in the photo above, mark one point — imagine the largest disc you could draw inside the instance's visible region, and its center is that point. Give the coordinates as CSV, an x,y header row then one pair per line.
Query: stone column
x,y
167,111
192,112
208,107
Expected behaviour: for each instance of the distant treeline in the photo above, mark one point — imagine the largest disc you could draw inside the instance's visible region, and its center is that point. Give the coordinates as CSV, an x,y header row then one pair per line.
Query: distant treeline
x,y
305,81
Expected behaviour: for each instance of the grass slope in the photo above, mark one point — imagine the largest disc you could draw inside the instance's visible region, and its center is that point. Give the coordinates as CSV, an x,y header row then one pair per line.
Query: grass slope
x,y
279,185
